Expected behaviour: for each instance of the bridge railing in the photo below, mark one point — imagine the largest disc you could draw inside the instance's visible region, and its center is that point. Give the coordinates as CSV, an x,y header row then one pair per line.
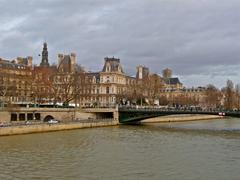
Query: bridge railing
x,y
164,109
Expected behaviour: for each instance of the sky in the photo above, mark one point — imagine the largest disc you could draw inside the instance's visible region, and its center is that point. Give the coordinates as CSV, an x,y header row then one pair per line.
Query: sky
x,y
198,39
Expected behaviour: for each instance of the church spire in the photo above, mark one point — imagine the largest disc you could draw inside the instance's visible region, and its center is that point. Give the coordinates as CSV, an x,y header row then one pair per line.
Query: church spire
x,y
44,62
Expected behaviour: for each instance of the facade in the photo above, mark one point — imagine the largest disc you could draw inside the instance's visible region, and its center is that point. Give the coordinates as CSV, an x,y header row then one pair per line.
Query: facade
x,y
67,63
16,80
184,96
172,83
142,72
43,76
68,83
167,73
108,85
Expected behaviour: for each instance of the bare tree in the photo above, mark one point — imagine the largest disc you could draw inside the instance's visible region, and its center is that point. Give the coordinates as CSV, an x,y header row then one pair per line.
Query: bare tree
x,y
72,86
212,96
152,86
237,96
229,95
42,88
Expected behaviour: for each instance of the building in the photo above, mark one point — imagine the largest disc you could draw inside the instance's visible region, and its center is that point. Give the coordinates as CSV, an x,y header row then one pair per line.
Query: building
x,y
44,62
68,83
67,63
172,83
112,85
142,72
108,85
16,80
167,73
184,96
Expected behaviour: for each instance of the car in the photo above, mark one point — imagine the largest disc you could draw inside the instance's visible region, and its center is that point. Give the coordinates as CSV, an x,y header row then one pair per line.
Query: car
x,y
2,124
28,122
53,121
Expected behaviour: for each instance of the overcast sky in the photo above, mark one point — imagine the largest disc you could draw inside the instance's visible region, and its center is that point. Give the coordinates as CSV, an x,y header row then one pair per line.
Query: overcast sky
x,y
198,39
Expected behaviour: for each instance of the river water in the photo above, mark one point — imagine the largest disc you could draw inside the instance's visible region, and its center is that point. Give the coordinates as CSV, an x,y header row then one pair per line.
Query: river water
x,y
189,150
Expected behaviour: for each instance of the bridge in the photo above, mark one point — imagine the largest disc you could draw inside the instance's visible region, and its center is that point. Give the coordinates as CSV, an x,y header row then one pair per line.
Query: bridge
x,y
128,115
122,114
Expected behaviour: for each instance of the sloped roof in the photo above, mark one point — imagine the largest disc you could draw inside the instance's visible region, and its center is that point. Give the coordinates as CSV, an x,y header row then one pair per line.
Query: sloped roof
x,y
65,64
10,64
95,74
172,81
114,64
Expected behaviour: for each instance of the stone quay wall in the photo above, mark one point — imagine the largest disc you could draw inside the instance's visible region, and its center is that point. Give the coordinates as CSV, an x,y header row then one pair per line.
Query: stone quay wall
x,y
180,118
39,128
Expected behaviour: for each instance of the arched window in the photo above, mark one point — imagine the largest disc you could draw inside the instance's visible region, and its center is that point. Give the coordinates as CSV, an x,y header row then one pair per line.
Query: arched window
x,y
107,79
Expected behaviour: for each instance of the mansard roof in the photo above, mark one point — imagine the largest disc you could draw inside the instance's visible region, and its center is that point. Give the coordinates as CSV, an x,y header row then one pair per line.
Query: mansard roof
x,y
11,64
65,64
94,74
114,63
172,81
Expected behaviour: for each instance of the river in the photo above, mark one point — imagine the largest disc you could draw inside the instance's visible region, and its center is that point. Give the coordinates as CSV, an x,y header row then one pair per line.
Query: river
x,y
188,150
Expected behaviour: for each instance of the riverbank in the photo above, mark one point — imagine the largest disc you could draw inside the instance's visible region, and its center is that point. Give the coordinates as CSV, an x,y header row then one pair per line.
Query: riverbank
x,y
180,118
39,128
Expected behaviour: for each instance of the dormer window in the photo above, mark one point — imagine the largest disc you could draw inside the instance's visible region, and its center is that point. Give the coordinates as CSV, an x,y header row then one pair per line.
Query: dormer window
x,y
108,68
94,79
119,69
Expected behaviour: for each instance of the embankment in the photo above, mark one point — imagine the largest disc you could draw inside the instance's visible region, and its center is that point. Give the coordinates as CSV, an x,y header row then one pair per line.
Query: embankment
x,y
39,128
180,118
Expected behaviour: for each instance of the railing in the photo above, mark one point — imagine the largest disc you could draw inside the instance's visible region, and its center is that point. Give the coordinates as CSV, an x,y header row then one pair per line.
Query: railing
x,y
173,109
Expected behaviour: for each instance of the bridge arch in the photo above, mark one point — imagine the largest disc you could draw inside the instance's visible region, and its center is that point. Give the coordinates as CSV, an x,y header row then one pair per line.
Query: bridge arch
x,y
47,118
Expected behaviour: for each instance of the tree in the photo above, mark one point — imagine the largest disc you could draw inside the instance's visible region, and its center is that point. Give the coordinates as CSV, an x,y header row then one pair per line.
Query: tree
x,y
43,85
72,86
82,86
212,96
229,95
152,86
237,96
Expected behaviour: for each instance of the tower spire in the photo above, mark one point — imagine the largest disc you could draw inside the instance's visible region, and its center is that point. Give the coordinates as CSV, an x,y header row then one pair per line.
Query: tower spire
x,y
44,62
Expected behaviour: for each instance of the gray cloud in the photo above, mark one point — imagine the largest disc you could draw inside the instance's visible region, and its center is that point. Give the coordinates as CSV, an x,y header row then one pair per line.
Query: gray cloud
x,y
198,39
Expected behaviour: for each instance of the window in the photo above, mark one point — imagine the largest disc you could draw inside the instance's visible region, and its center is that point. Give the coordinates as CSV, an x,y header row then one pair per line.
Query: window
x,y
107,90
108,69
107,79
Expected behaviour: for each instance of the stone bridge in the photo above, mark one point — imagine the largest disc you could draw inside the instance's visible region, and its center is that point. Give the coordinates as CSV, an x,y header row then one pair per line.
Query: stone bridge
x,y
8,115
120,114
38,114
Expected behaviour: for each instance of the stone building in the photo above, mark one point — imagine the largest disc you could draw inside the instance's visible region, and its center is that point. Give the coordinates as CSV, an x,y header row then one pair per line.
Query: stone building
x,y
68,83
172,83
142,72
16,80
112,85
67,63
107,85
184,96
44,62
167,73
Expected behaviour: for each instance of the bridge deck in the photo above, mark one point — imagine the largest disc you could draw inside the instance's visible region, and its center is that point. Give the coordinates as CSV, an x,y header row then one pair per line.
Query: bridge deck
x,y
132,115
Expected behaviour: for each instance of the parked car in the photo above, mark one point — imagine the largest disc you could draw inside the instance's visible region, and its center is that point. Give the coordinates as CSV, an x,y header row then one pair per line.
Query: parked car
x,y
28,122
2,124
53,121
